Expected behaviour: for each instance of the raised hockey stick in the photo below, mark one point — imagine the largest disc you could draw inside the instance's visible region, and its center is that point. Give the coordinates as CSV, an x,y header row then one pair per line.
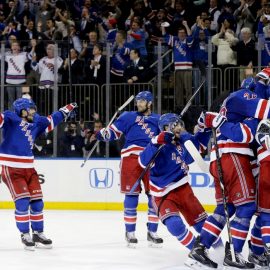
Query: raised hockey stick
x,y
189,144
107,127
161,146
221,183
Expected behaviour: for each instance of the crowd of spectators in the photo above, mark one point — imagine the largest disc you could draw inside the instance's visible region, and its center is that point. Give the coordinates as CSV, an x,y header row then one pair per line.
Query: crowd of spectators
x,y
82,28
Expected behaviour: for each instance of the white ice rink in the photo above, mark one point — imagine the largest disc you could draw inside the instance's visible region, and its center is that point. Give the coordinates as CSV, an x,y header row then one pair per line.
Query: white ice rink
x,y
86,240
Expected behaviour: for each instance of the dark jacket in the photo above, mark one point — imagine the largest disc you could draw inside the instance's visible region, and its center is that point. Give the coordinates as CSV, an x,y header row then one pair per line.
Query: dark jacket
x,y
140,71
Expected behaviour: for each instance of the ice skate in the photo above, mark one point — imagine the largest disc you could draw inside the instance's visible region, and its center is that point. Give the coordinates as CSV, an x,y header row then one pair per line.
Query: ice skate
x,y
199,253
41,241
27,241
267,254
260,261
131,239
154,240
240,262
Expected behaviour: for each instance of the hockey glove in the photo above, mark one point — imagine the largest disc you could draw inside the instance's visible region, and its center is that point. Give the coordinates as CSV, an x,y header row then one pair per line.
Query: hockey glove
x,y
264,75
164,137
103,135
68,109
263,134
214,120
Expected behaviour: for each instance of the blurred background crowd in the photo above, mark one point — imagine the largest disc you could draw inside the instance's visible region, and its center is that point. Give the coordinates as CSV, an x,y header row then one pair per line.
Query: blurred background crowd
x,y
119,42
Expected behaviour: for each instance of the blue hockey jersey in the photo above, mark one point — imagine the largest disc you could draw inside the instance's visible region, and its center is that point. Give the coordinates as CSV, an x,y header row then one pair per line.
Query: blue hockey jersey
x,y
19,137
120,58
170,169
236,134
137,129
182,51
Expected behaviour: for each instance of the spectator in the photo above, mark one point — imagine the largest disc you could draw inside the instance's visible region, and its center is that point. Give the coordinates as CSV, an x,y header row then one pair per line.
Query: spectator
x,y
46,67
76,69
86,23
136,71
137,36
182,53
226,57
87,50
45,12
16,75
27,33
200,54
120,57
181,14
72,143
63,21
73,40
43,146
246,15
97,68
246,52
10,30
90,140
265,55
214,15
52,33
224,40
226,17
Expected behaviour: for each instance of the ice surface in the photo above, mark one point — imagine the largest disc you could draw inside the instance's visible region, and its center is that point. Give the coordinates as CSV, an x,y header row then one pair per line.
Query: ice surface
x,y
88,240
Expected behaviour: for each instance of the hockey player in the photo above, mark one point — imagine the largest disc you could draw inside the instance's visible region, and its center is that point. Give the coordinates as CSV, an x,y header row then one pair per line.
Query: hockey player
x,y
20,129
263,241
138,127
240,187
235,134
169,184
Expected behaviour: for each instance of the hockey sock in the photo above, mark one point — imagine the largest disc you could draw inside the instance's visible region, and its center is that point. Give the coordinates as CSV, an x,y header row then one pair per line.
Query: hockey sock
x,y
240,225
130,212
178,229
256,243
22,214
265,227
214,225
152,223
36,215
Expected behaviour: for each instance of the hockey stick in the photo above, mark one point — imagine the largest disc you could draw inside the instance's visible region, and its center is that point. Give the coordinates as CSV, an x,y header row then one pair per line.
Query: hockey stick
x,y
221,183
196,156
189,144
107,127
161,146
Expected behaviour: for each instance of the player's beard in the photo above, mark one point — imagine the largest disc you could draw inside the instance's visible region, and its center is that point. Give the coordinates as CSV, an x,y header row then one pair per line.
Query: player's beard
x,y
144,110
30,118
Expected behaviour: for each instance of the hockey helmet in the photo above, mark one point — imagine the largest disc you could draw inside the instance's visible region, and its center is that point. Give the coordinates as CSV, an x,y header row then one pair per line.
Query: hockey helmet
x,y
248,83
23,104
169,119
145,95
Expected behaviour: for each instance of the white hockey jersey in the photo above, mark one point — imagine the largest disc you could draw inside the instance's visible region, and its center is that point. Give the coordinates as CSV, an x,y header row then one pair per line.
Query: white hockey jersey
x,y
16,71
46,68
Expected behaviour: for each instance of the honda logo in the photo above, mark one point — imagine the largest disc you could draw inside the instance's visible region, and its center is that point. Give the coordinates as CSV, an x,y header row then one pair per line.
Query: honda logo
x,y
101,178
